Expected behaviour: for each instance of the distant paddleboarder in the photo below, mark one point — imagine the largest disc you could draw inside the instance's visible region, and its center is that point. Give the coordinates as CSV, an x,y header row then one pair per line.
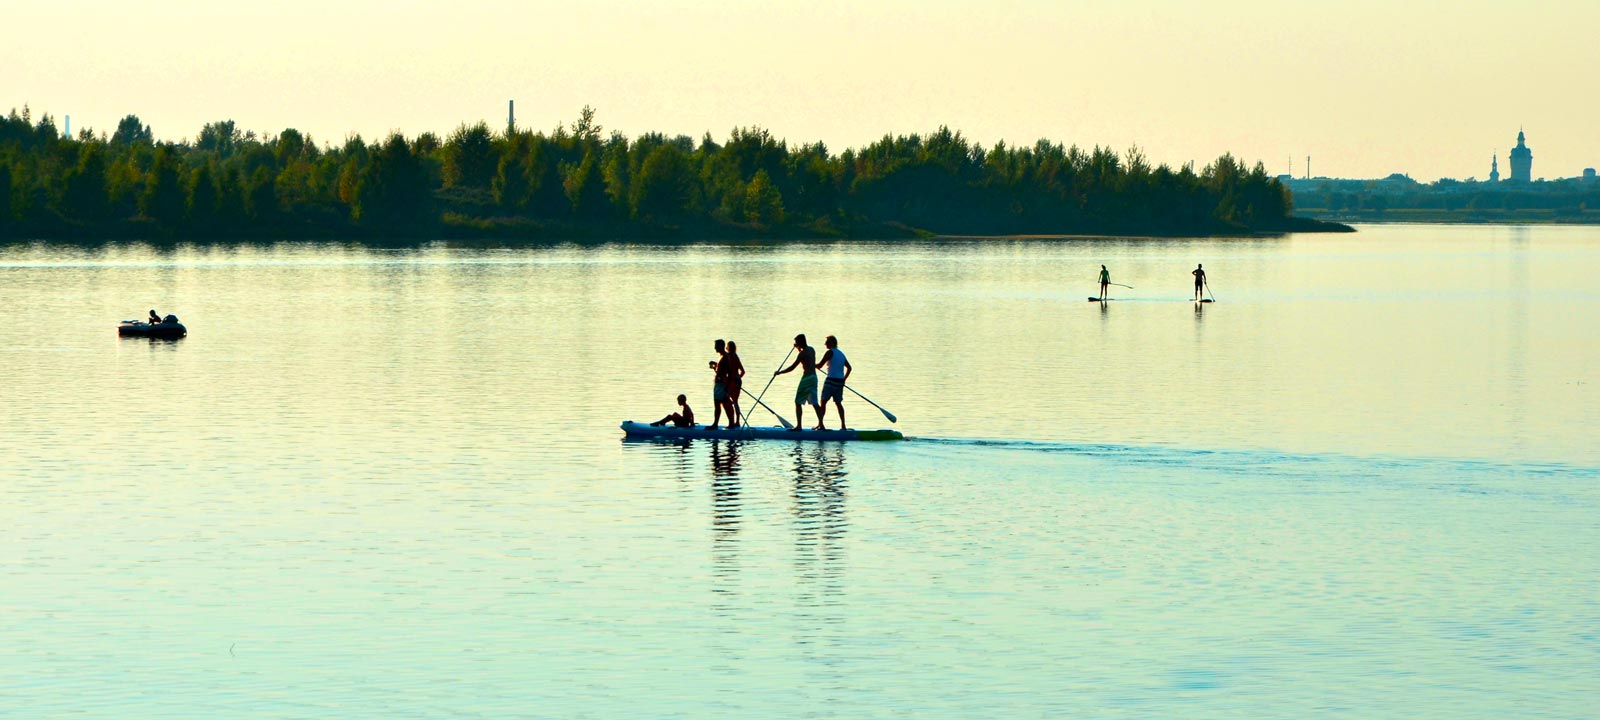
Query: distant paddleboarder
x,y
1199,274
1105,282
838,372
806,392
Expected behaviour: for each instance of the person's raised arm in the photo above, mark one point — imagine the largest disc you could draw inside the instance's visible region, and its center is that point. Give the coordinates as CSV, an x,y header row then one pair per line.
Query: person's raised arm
x,y
847,370
792,366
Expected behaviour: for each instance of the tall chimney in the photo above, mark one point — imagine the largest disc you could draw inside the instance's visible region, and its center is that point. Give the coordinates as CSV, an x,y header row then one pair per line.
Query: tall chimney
x,y
67,127
511,115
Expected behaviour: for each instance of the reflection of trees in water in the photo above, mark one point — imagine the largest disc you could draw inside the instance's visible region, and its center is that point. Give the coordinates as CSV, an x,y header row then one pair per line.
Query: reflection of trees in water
x,y
726,508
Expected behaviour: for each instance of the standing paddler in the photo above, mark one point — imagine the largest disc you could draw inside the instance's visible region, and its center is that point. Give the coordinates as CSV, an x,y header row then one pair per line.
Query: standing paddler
x,y
1105,282
838,372
734,370
806,392
719,388
1199,274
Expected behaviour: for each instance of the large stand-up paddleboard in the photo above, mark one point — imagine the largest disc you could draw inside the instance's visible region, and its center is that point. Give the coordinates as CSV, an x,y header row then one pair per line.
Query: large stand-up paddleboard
x,y
646,430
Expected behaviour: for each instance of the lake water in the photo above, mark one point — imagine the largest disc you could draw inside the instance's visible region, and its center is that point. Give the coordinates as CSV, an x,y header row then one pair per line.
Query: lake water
x,y
389,483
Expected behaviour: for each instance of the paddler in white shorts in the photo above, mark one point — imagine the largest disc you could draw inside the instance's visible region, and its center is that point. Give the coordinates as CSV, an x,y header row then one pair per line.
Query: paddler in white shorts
x,y
806,392
838,373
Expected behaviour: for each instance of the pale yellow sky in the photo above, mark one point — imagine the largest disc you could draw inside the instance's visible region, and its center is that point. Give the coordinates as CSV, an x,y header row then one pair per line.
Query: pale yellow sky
x,y
1366,88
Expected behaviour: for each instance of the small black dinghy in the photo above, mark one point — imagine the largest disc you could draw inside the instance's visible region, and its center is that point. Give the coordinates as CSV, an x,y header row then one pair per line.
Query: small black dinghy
x,y
168,329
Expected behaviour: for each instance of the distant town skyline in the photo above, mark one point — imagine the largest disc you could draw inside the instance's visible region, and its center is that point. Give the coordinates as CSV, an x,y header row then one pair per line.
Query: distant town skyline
x,y
1365,88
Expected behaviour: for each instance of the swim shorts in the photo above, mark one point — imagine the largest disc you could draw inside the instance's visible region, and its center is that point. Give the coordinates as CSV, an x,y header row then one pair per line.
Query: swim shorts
x,y
806,393
833,389
719,392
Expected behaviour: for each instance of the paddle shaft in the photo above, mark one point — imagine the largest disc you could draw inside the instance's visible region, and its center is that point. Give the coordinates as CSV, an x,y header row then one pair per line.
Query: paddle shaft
x,y
1130,287
786,423
886,413
1208,290
769,386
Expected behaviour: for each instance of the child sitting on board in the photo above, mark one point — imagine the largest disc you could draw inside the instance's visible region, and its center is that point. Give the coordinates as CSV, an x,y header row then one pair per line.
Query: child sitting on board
x,y
683,418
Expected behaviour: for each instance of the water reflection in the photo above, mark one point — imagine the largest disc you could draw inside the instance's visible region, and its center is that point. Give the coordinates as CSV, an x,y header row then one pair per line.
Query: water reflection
x,y
726,511
819,521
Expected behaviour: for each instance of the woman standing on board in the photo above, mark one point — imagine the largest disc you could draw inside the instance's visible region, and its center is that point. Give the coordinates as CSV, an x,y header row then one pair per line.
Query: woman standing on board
x,y
1105,282
734,370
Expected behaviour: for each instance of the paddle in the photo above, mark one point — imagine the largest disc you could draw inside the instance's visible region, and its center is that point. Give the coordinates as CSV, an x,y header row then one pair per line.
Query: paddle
x,y
1208,290
775,375
886,413
786,423
1130,287
769,386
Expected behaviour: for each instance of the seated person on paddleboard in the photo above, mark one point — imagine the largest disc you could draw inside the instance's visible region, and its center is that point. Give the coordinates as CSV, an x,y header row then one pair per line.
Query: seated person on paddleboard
x,y
683,418
734,382
806,392
838,373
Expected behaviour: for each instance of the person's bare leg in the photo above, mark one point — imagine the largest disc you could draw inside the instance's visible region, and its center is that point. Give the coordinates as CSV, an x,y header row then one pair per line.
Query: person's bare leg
x,y
822,417
817,409
840,404
716,417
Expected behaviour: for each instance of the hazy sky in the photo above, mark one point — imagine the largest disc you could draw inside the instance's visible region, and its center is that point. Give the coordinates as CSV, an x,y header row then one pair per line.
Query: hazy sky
x,y
1365,88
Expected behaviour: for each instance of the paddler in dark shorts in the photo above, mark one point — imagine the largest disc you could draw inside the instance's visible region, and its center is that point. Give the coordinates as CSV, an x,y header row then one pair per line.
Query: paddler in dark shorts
x,y
1105,282
734,382
807,390
719,387
838,373
683,418
1199,274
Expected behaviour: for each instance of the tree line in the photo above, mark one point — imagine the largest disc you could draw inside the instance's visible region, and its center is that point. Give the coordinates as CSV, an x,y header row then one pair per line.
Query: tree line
x,y
577,180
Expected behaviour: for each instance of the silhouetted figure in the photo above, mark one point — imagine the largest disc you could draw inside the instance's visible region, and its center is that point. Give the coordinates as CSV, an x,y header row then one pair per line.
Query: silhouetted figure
x,y
719,388
735,382
1105,282
683,418
154,318
806,392
833,388
1199,274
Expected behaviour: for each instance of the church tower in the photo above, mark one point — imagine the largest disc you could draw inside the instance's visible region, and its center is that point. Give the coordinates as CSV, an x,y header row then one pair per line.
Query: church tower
x,y
1494,169
1521,161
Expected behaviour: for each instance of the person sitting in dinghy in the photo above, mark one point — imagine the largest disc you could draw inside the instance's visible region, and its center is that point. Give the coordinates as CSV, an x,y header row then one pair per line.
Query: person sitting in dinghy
x,y
683,418
154,318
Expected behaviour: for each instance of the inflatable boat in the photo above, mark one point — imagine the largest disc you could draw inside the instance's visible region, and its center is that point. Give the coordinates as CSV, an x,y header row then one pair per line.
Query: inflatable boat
x,y
168,329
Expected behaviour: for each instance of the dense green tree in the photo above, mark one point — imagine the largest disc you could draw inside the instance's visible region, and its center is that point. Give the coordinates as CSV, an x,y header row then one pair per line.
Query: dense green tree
x,y
394,191
662,189
6,215
163,197
201,198
84,196
469,157
763,204
132,131
586,189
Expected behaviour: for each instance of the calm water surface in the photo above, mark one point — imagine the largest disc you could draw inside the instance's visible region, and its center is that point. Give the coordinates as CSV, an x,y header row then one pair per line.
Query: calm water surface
x,y
388,483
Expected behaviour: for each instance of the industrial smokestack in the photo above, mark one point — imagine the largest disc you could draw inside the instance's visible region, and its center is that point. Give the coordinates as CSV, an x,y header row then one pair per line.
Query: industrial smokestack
x,y
67,126
511,115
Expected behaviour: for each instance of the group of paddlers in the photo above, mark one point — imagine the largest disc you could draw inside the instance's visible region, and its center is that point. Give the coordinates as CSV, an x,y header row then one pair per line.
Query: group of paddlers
x,y
728,385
